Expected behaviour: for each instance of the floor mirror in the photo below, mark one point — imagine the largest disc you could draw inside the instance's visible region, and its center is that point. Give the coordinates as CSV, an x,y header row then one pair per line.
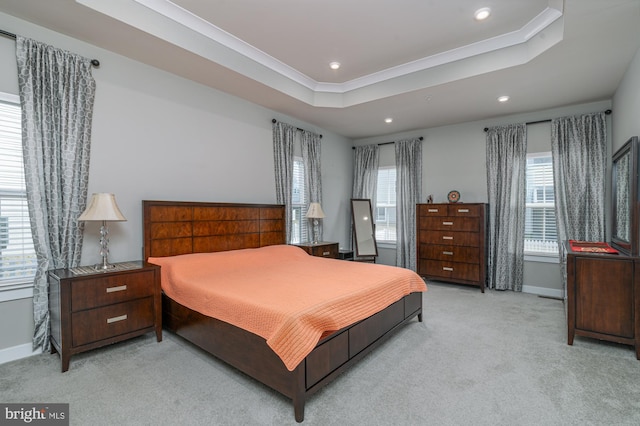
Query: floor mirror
x,y
364,233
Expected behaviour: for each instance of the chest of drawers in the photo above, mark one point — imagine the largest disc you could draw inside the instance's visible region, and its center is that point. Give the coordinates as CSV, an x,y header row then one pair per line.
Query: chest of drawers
x,y
451,242
89,310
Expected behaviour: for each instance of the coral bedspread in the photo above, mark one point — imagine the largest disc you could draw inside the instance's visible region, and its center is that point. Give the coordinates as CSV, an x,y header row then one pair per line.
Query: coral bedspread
x,y
282,294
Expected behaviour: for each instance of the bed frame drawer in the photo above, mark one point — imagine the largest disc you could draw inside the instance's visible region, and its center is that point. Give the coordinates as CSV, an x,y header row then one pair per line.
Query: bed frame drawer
x,y
327,357
371,329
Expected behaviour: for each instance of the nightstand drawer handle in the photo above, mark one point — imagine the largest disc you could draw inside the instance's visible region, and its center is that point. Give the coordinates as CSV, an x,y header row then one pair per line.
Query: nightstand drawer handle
x,y
463,210
448,253
447,238
326,253
114,289
116,319
447,223
446,268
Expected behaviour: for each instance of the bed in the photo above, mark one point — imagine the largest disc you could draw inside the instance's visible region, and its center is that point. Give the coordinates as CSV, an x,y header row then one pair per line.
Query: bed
x,y
178,232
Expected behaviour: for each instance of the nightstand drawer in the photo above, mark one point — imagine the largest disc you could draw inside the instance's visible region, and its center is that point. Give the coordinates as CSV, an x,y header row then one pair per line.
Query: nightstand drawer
x,y
100,291
102,323
327,250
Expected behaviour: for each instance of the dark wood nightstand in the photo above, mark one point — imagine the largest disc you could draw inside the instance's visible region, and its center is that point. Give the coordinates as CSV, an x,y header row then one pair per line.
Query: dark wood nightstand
x,y
321,249
92,308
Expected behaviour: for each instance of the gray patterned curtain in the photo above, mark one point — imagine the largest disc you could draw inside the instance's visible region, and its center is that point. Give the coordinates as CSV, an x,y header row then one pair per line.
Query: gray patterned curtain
x,y
365,172
408,190
57,92
506,165
578,147
283,137
312,170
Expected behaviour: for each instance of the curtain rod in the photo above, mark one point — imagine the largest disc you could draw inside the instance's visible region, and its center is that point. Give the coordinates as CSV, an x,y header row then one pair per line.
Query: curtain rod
x,y
94,62
388,143
607,112
298,128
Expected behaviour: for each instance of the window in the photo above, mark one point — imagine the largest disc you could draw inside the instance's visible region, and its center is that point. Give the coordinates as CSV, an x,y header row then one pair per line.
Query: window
x,y
299,204
540,233
17,255
386,205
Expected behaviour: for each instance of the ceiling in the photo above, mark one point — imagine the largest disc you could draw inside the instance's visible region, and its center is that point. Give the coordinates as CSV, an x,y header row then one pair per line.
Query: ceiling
x,y
424,63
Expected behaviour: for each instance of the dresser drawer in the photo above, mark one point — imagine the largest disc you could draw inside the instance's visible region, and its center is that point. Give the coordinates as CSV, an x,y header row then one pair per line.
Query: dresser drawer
x,y
426,210
471,239
450,223
469,210
97,324
452,270
100,291
450,253
453,209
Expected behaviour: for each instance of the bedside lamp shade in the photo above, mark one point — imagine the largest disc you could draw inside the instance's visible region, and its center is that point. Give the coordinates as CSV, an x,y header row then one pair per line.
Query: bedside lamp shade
x,y
102,208
315,211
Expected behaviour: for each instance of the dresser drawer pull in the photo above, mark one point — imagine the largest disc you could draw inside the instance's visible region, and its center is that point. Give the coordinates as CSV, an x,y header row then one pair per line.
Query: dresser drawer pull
x,y
116,319
447,238
448,253
326,253
446,268
463,210
447,223
118,288
432,210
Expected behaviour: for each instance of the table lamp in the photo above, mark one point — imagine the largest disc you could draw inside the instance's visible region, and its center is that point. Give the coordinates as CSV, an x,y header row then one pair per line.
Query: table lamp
x,y
315,212
102,208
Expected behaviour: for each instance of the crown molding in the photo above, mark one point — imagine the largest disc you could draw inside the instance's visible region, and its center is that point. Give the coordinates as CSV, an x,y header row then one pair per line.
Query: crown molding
x,y
173,24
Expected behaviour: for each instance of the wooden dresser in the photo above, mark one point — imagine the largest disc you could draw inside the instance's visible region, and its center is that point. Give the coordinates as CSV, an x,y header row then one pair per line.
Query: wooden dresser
x,y
603,297
97,308
451,242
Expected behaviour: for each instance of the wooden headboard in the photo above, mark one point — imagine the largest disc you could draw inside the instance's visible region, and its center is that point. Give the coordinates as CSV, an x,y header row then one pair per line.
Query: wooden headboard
x,y
180,227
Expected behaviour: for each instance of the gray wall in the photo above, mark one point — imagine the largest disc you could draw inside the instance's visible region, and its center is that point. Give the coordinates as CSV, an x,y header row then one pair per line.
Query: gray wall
x,y
626,105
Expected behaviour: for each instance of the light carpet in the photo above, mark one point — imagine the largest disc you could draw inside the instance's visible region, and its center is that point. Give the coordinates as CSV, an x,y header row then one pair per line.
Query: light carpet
x,y
498,358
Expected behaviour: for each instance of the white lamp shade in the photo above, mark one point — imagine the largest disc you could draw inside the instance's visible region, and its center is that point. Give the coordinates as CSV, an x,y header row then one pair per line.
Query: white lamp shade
x,y
315,211
102,206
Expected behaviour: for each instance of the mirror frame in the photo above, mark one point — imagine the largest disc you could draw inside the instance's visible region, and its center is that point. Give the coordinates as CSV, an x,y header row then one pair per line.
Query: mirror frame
x,y
367,228
626,247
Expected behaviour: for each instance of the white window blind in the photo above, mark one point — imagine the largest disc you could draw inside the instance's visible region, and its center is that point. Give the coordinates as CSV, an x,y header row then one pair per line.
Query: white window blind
x,y
300,204
540,233
17,255
386,205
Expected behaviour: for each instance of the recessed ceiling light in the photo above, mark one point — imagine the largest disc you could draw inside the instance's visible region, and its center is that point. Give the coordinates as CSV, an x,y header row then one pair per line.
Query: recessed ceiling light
x,y
388,120
334,65
482,14
504,98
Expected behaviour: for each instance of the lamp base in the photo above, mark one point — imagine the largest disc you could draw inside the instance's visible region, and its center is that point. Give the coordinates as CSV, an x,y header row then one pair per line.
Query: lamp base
x,y
103,266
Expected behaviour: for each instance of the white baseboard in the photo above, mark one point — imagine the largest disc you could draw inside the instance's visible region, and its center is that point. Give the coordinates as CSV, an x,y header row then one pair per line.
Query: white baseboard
x,y
543,291
17,352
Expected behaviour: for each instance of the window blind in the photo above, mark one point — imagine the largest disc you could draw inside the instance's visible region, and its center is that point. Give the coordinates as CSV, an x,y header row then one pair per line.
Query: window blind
x,y
386,205
17,255
300,204
540,233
